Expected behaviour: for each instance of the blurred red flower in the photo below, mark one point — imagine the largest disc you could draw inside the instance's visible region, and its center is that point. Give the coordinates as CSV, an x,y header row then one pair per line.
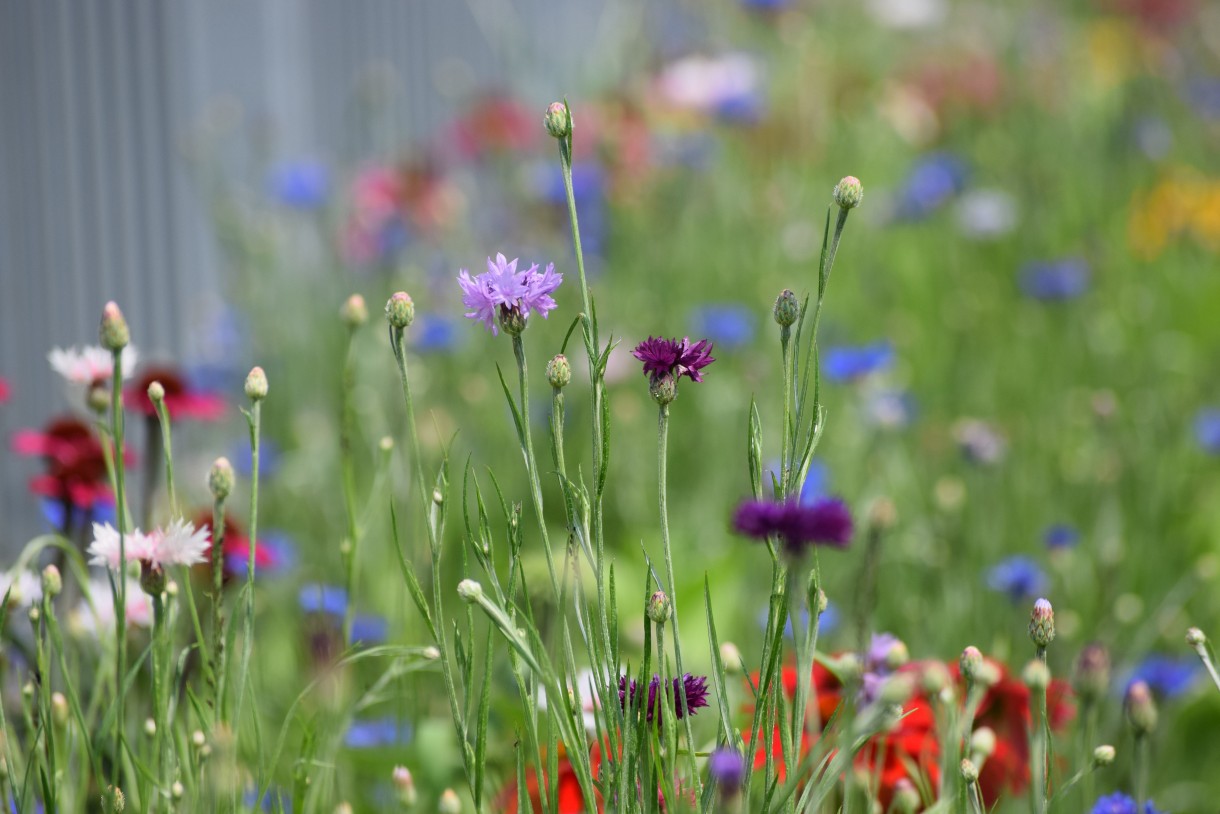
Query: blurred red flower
x,y
181,401
76,465
570,799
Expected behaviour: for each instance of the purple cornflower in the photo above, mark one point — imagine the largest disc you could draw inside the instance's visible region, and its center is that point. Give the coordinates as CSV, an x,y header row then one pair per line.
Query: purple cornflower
x,y
1119,803
696,694
1060,536
511,295
728,768
1018,576
826,521
668,357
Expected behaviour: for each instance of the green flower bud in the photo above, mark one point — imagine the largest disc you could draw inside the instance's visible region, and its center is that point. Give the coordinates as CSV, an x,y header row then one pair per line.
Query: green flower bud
x,y
113,800
849,192
970,772
787,308
152,579
449,803
156,393
114,333
256,384
659,608
558,120
1092,680
1036,675
1042,623
982,744
354,312
1196,637
400,310
663,390
971,663
59,709
559,371
221,479
52,582
1104,755
513,320
470,591
97,398
1141,708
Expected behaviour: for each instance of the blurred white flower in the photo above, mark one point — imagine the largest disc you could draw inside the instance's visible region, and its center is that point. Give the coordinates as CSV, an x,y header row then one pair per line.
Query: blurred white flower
x,y
179,543
104,549
83,366
704,84
986,213
907,13
101,616
26,588
586,682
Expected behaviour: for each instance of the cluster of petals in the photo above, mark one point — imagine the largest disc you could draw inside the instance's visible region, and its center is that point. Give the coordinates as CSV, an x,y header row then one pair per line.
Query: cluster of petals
x,y
824,522
179,543
503,288
668,357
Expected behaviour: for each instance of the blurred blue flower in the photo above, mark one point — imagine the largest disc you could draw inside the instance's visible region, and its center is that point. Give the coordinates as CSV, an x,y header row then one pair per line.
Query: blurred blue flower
x,y
243,458
929,185
275,554
1167,676
271,800
817,483
1207,429
434,333
53,512
828,622
369,629
891,409
299,184
1055,280
766,5
318,598
1119,803
729,325
1203,93
377,732
589,190
745,107
1060,536
1018,576
847,362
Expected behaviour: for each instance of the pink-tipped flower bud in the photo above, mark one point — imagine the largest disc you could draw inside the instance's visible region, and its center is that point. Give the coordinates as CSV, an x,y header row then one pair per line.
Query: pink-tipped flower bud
x,y
1092,679
1140,707
114,333
404,785
449,803
221,479
787,308
970,772
1036,675
400,310
256,384
558,120
354,312
156,392
659,608
559,371
849,192
1042,623
907,799
971,663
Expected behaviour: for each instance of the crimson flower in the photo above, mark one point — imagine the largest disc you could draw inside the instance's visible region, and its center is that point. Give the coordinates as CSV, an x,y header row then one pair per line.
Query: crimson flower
x,y
76,465
668,357
181,400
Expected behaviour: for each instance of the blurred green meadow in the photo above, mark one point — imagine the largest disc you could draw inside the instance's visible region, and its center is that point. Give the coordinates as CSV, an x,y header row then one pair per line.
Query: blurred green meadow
x,y
1018,358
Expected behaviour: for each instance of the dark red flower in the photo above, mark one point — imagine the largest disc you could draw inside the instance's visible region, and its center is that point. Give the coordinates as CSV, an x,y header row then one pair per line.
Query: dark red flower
x,y
76,465
181,401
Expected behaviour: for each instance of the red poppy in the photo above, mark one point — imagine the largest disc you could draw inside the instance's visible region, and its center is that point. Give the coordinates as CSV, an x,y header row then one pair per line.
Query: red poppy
x,y
570,799
180,400
76,464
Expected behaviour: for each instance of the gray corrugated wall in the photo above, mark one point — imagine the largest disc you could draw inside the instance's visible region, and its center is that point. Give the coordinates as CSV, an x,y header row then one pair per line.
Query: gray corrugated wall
x,y
97,97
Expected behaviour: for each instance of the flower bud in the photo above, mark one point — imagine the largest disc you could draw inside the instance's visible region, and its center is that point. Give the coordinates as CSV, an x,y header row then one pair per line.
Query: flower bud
x,y
982,744
59,709
663,389
113,800
449,803
220,479
198,739
727,768
971,663
558,120
970,772
27,690
513,320
150,727
558,371
97,398
730,658
659,608
1092,680
177,790
882,514
400,310
1042,623
897,655
34,614
404,785
1196,637
114,333
848,192
1036,675
156,392
343,807
386,444
152,579
52,582
906,797
1141,708
256,384
470,591
936,678
1104,755
431,652
897,689
354,312
787,308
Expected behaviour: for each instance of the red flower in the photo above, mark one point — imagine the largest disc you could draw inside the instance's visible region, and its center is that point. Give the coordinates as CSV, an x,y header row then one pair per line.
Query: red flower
x,y
76,465
570,799
4,391
236,549
497,125
180,400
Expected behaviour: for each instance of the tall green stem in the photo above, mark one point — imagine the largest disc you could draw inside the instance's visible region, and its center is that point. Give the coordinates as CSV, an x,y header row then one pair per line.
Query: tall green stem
x,y
168,450
118,583
218,635
254,420
347,465
531,463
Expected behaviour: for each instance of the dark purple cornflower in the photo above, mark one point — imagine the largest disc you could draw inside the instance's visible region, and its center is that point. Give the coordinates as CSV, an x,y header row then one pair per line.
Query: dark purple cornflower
x,y
668,357
727,768
825,522
504,292
696,694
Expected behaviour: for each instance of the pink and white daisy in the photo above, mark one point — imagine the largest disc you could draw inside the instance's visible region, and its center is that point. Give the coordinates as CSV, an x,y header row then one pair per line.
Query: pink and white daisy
x,y
100,617
105,546
179,543
84,366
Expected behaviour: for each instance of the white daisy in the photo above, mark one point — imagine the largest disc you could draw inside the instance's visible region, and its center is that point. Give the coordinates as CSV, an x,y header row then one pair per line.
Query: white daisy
x,y
101,616
105,546
83,366
26,588
179,543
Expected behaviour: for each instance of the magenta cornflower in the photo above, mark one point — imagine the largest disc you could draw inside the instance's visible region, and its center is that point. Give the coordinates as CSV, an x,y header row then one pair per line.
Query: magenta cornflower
x,y
825,522
669,357
508,294
696,694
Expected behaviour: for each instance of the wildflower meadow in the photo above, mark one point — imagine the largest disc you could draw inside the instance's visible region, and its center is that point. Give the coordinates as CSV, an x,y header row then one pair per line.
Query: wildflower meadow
x,y
821,417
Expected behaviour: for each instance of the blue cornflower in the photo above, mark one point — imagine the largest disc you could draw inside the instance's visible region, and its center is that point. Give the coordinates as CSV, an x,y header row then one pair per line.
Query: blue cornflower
x,y
828,622
817,483
766,5
1167,676
1203,93
727,768
730,325
377,732
102,511
269,801
929,185
1207,429
434,333
243,457
300,184
1060,536
275,554
369,629
1119,803
745,107
1018,576
1055,280
847,362
317,598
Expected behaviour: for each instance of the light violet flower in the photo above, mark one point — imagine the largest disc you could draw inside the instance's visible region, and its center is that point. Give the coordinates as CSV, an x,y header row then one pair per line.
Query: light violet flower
x,y
86,365
511,295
